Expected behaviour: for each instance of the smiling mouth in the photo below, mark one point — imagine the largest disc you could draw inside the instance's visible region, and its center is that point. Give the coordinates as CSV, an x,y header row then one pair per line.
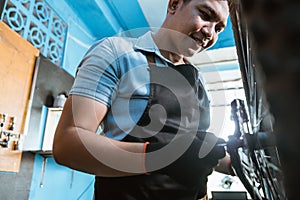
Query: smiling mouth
x,y
199,42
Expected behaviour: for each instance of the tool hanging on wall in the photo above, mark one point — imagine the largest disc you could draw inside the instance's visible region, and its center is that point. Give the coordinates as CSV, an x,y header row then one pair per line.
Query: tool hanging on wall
x,y
9,138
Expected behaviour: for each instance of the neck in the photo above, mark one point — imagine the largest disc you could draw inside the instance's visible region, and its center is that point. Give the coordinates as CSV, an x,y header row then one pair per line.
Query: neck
x,y
174,58
166,48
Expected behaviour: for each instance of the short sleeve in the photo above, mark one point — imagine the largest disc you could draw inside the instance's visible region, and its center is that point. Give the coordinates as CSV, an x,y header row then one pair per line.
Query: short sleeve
x,y
98,73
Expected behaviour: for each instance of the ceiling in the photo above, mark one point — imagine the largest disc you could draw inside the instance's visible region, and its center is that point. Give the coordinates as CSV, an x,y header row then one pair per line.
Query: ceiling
x,y
110,17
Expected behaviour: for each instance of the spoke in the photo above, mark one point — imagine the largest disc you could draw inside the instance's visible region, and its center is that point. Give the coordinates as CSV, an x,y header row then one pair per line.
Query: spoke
x,y
251,163
257,165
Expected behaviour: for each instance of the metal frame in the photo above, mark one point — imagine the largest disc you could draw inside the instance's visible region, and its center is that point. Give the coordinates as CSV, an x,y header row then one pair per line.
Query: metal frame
x,y
252,147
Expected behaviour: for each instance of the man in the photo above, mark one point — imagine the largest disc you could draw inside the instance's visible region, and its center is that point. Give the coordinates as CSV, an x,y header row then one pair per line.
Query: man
x,y
153,106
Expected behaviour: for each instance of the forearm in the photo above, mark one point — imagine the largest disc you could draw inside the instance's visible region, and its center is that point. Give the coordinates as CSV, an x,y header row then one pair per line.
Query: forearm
x,y
95,154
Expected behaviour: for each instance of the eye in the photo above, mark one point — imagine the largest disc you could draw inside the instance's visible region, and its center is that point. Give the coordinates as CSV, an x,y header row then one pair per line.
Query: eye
x,y
204,15
219,29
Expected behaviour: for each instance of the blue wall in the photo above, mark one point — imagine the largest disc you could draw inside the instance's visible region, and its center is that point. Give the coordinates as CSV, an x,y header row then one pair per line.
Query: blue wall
x,y
51,181
79,39
60,182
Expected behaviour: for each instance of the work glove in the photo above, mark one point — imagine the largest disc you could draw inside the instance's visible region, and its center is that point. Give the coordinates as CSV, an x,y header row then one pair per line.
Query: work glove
x,y
194,165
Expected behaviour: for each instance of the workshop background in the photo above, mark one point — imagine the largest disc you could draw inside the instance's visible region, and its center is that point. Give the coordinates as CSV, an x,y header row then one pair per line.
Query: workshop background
x,y
41,45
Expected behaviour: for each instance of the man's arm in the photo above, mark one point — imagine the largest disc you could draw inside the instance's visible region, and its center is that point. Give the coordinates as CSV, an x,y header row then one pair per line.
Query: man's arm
x,y
77,146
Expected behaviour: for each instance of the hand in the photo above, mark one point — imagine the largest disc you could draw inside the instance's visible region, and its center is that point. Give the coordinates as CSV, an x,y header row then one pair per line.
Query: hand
x,y
189,169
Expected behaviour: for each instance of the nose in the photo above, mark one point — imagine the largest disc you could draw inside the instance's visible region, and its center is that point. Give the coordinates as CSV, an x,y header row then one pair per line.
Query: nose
x,y
208,31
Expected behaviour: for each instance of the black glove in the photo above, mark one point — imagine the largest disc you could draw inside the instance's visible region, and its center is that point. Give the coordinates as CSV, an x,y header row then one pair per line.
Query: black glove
x,y
202,186
189,169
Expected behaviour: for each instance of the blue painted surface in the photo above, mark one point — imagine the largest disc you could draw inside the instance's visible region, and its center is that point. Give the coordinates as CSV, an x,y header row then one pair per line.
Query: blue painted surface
x,y
53,181
79,38
156,9
130,16
38,24
97,17
77,44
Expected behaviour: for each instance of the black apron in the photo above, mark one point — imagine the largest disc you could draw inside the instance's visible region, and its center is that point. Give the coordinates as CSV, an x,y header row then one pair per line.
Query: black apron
x,y
180,92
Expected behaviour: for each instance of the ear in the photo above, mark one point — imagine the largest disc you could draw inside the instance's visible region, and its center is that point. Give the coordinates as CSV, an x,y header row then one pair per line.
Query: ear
x,y
173,6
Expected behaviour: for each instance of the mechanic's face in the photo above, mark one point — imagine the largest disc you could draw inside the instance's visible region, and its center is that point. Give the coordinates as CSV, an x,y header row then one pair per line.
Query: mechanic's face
x,y
200,20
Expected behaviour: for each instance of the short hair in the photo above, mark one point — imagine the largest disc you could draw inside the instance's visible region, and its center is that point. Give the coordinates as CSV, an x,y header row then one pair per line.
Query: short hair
x,y
187,1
